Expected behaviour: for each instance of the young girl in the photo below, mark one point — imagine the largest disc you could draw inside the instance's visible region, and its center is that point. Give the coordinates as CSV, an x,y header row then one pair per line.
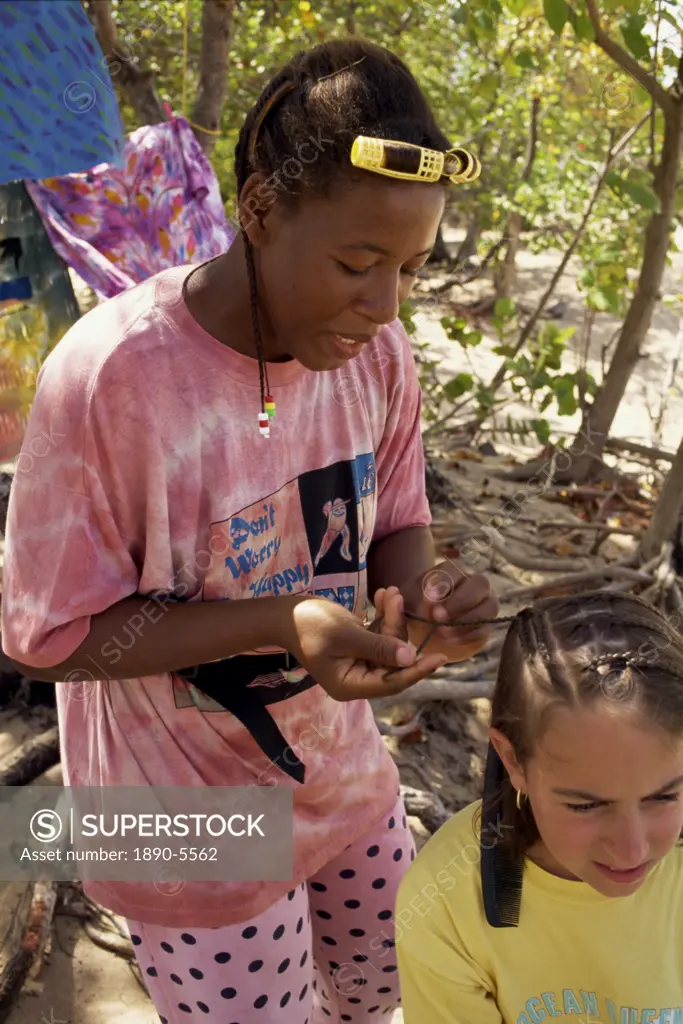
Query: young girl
x,y
587,728
161,498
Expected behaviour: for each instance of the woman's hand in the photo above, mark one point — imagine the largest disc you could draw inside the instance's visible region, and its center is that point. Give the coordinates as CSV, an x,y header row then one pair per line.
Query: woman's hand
x,y
445,593
349,661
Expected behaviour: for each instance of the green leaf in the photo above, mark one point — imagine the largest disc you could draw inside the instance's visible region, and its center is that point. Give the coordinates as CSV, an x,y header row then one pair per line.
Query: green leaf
x,y
564,394
587,279
584,28
457,387
504,308
633,37
639,193
642,195
556,14
541,429
525,59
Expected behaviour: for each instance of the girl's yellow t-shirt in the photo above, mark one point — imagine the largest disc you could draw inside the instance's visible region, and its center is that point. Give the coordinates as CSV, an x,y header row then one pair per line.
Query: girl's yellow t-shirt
x,y
576,955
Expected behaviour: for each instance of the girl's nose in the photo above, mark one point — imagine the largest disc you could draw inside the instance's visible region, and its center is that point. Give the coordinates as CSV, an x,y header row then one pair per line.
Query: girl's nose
x,y
627,843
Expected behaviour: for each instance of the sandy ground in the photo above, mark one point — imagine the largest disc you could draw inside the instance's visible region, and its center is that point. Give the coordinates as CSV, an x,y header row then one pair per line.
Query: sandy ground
x,y
82,983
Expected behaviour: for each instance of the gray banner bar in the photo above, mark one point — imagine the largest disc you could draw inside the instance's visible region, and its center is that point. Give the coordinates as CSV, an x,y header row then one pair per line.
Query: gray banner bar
x,y
140,833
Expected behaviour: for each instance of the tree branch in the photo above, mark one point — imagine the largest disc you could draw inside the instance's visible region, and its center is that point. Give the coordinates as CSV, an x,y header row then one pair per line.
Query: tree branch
x,y
217,20
629,64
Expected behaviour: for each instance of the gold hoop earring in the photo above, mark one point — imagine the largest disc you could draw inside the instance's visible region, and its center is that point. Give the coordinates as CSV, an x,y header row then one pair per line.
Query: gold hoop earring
x,y
520,796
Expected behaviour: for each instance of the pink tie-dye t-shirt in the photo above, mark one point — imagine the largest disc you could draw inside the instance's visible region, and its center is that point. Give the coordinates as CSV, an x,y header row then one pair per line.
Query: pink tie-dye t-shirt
x,y
143,472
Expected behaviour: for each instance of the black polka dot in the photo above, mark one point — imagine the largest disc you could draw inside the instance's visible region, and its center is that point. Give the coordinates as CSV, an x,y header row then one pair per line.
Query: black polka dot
x,y
404,821
392,822
384,915
379,883
388,943
222,958
373,851
152,971
333,965
184,1007
325,995
285,999
260,1002
354,999
345,1016
203,1007
361,981
318,886
384,989
326,1011
255,966
398,854
283,966
279,931
290,895
189,939
412,854
196,973
347,873
326,916
360,958
357,932
373,1009
304,958
166,947
136,940
299,925
328,941
229,993
352,904
390,969
178,981
249,932
302,994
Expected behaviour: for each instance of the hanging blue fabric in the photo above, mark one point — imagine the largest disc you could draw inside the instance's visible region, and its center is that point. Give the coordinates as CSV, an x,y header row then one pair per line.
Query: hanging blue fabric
x,y
58,108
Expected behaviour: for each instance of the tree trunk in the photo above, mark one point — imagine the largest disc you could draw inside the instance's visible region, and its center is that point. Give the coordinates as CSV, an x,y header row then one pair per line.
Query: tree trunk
x,y
440,253
600,415
506,277
468,246
137,85
217,20
665,520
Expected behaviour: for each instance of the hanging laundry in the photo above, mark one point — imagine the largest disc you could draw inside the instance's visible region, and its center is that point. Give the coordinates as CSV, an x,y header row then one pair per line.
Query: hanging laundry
x,y
163,208
58,108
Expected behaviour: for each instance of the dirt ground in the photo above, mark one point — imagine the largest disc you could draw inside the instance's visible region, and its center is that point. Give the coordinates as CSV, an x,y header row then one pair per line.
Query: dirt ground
x,y
81,983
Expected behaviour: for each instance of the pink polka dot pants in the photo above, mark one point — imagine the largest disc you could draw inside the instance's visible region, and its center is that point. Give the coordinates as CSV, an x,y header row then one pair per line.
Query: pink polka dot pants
x,y
322,955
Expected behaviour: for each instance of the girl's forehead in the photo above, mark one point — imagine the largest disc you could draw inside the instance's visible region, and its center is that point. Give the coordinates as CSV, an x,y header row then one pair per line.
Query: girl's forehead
x,y
368,211
607,750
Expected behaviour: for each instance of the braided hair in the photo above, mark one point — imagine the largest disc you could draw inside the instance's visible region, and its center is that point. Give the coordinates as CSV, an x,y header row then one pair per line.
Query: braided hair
x,y
320,101
573,652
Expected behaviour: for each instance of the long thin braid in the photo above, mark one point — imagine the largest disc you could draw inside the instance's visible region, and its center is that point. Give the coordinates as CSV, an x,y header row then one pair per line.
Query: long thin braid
x,y
247,143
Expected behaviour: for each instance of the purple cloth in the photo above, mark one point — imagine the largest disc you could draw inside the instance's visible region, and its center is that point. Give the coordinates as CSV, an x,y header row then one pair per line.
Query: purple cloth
x,y
118,226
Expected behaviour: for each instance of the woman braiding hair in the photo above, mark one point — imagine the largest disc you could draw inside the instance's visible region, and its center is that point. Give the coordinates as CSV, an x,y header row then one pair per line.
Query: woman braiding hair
x,y
239,474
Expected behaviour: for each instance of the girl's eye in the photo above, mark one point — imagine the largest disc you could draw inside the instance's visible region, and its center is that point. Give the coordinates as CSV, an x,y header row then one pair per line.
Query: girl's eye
x,y
411,273
580,808
351,270
666,798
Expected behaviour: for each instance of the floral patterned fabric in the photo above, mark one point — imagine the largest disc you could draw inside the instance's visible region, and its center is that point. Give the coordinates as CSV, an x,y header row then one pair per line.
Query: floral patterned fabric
x,y
117,227
58,109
